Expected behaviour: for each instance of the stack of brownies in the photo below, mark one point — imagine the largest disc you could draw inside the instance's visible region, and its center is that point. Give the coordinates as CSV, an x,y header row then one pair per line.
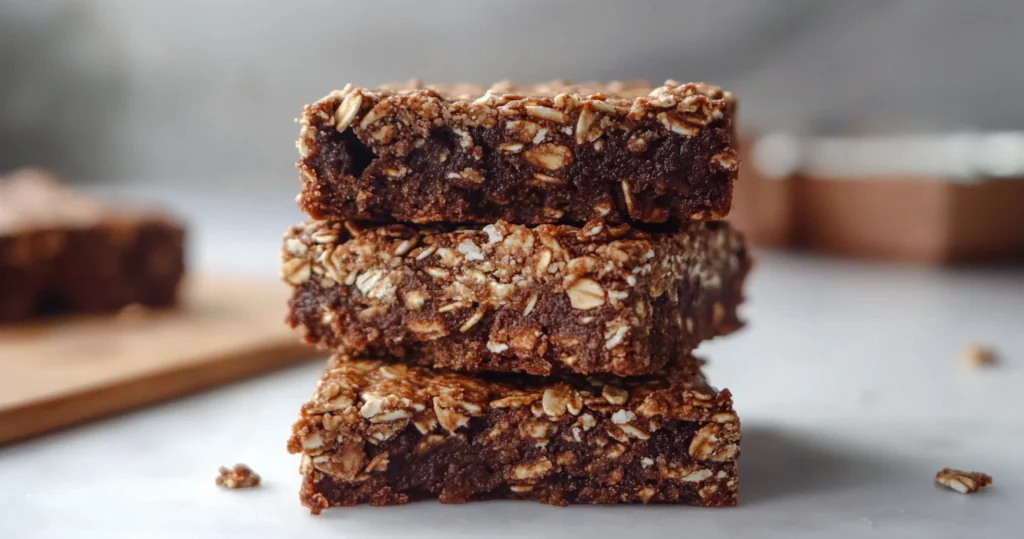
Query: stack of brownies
x,y
512,281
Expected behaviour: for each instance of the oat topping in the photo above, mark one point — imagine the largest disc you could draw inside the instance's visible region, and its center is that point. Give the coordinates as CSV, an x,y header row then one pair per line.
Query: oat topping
x,y
962,482
33,199
528,111
28,198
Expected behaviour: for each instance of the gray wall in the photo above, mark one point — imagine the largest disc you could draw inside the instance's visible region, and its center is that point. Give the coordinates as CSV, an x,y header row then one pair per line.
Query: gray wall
x,y
204,92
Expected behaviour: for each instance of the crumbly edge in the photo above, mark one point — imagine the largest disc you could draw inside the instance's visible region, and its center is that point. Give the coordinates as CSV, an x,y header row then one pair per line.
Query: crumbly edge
x,y
544,128
364,403
608,276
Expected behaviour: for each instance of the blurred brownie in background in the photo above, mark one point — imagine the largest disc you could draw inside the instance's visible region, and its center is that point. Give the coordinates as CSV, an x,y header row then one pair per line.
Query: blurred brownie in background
x,y
387,433
762,201
62,252
930,199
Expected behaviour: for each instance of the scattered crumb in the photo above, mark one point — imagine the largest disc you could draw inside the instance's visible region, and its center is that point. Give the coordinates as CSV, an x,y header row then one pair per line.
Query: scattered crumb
x,y
977,355
962,482
318,503
241,476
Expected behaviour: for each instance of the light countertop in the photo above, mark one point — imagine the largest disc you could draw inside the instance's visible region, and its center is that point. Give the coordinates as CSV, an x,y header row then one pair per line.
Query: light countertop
x,y
847,381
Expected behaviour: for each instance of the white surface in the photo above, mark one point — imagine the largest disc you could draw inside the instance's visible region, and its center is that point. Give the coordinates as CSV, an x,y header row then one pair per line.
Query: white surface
x,y
846,379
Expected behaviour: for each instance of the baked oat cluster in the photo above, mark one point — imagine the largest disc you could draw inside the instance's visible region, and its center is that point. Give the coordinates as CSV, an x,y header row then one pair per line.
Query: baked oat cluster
x,y
512,281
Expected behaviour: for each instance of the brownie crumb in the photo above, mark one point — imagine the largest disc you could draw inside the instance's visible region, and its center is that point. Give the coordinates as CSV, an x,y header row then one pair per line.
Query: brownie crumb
x,y
977,355
961,481
241,476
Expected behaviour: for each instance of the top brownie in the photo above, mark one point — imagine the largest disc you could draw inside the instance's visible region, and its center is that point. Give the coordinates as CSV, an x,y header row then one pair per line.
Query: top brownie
x,y
551,153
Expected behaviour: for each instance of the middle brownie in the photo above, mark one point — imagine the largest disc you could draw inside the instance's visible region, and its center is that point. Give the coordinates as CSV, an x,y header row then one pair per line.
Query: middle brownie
x,y
503,297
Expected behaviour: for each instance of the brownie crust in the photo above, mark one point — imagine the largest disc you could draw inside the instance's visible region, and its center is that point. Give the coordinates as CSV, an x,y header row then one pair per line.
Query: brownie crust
x,y
551,153
383,433
503,297
61,252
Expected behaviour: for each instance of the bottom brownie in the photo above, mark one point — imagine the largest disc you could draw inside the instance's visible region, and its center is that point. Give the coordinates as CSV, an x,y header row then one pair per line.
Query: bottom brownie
x,y
383,433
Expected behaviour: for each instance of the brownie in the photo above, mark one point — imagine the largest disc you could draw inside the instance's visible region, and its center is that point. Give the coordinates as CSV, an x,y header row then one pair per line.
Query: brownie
x,y
503,297
61,252
241,476
550,153
384,433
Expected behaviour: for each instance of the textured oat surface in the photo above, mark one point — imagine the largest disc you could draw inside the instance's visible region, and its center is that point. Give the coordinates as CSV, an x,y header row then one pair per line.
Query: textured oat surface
x,y
503,297
386,433
527,154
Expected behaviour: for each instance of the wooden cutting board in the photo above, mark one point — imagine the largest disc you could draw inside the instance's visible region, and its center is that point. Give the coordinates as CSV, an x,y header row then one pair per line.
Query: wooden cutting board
x,y
63,372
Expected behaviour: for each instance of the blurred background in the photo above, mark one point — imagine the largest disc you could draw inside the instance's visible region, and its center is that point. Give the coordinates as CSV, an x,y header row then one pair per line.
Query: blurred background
x,y
201,92
847,375
160,94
